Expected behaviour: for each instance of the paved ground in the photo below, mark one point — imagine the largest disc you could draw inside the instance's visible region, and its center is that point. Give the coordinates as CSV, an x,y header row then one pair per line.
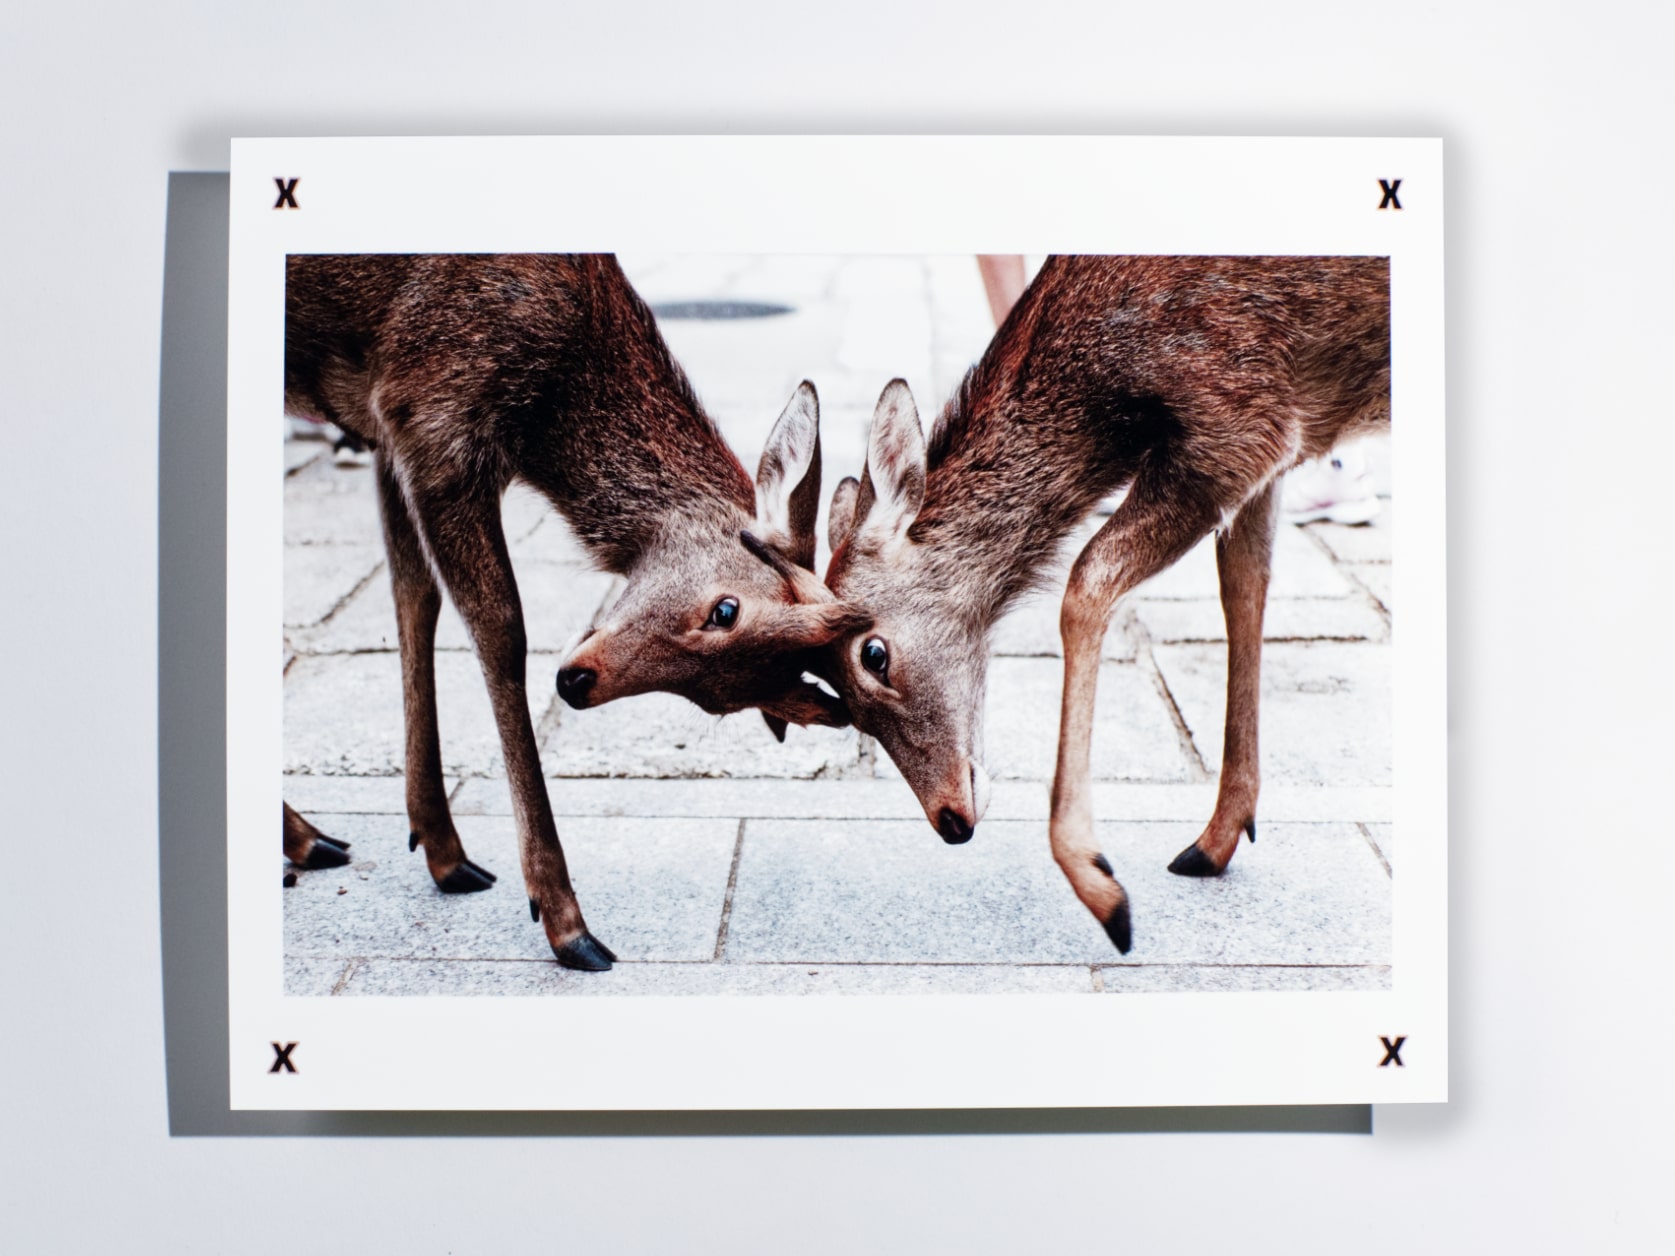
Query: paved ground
x,y
714,860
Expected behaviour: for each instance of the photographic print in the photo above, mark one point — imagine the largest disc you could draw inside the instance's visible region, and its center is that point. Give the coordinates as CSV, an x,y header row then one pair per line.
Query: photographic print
x,y
789,624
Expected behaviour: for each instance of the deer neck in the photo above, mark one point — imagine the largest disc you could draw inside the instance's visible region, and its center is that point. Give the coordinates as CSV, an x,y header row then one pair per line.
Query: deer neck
x,y
1009,477
633,455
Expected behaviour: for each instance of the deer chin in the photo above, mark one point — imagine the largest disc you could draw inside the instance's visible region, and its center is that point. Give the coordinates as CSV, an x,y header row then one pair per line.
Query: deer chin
x,y
808,704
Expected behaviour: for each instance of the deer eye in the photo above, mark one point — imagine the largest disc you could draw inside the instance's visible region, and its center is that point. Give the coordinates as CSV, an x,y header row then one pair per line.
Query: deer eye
x,y
725,614
875,657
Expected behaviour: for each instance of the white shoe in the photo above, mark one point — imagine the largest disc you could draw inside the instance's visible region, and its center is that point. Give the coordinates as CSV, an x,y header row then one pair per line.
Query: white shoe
x,y
347,450
1336,488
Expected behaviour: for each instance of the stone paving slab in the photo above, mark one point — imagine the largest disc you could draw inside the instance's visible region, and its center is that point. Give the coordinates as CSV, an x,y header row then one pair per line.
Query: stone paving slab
x,y
660,735
1362,543
745,370
522,510
864,799
549,541
1300,570
386,794
318,578
343,714
660,277
1325,709
315,977
1382,836
1241,978
326,504
521,979
1134,734
651,891
816,891
559,604
299,453
1285,619
1377,579
961,323
1031,630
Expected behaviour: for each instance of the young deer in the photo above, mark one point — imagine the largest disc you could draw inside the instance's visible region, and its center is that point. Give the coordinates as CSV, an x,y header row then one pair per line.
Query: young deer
x,y
1194,381
467,372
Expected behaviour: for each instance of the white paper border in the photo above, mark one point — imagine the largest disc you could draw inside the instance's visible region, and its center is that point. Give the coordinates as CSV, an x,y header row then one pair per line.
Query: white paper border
x,y
836,194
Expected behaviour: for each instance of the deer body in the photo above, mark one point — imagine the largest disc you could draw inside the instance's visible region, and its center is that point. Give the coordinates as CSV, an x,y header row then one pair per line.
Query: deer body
x,y
465,373
1196,382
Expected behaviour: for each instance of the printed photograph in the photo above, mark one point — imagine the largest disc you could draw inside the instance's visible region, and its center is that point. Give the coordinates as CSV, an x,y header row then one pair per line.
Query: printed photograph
x,y
697,624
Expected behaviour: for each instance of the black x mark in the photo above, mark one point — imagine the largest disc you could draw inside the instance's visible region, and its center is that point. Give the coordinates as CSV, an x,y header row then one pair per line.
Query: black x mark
x,y
288,193
1389,187
1392,1051
282,1058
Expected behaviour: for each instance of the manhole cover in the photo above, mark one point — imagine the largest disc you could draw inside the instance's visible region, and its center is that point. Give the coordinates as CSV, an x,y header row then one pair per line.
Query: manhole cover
x,y
719,309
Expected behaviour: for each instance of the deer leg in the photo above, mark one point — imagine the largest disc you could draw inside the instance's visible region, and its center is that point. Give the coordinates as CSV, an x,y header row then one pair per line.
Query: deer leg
x,y
307,847
1244,553
1156,524
463,534
418,603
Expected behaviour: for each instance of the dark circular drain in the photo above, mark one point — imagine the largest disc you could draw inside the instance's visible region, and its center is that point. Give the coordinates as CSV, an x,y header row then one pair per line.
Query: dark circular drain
x,y
719,309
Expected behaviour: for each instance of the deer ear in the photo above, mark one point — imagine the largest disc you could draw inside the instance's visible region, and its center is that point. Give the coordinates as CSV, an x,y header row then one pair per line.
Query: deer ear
x,y
841,522
895,461
788,478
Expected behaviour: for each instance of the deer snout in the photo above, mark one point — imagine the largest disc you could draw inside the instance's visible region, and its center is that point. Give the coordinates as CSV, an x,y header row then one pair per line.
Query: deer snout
x,y
575,684
956,830
956,817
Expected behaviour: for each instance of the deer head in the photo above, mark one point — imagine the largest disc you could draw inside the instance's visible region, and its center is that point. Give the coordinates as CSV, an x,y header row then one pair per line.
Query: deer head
x,y
722,606
913,676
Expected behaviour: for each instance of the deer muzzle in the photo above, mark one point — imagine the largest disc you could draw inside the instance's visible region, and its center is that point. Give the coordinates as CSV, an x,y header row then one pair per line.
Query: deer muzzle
x,y
575,684
957,821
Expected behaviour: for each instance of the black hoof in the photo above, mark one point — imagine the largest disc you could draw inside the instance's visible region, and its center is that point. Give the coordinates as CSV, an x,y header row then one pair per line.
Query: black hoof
x,y
290,880
468,878
327,853
1193,862
1250,831
1118,929
412,842
585,952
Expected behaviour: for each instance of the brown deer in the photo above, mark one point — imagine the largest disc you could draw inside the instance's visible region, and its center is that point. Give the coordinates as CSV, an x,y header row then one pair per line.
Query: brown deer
x,y
1196,382
465,373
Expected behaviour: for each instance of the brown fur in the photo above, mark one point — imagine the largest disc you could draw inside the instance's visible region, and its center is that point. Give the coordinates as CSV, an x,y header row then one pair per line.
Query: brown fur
x,y
1194,381
465,373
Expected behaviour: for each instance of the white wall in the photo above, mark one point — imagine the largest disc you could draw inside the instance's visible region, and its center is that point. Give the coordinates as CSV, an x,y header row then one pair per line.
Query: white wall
x,y
1559,192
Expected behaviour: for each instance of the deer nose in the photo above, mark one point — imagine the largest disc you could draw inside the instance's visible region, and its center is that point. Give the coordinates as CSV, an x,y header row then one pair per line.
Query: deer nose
x,y
954,827
574,684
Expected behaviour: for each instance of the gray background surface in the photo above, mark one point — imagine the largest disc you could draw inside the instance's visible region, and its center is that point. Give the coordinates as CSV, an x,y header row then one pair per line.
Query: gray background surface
x,y
1559,440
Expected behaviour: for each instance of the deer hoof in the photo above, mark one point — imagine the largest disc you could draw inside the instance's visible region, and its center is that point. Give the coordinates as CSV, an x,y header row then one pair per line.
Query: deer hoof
x,y
327,853
585,952
1118,928
467,878
1193,862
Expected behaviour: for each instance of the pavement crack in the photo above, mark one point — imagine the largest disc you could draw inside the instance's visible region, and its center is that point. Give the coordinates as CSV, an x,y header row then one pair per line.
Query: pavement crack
x,y
727,902
345,976
1378,851
325,620
1144,658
